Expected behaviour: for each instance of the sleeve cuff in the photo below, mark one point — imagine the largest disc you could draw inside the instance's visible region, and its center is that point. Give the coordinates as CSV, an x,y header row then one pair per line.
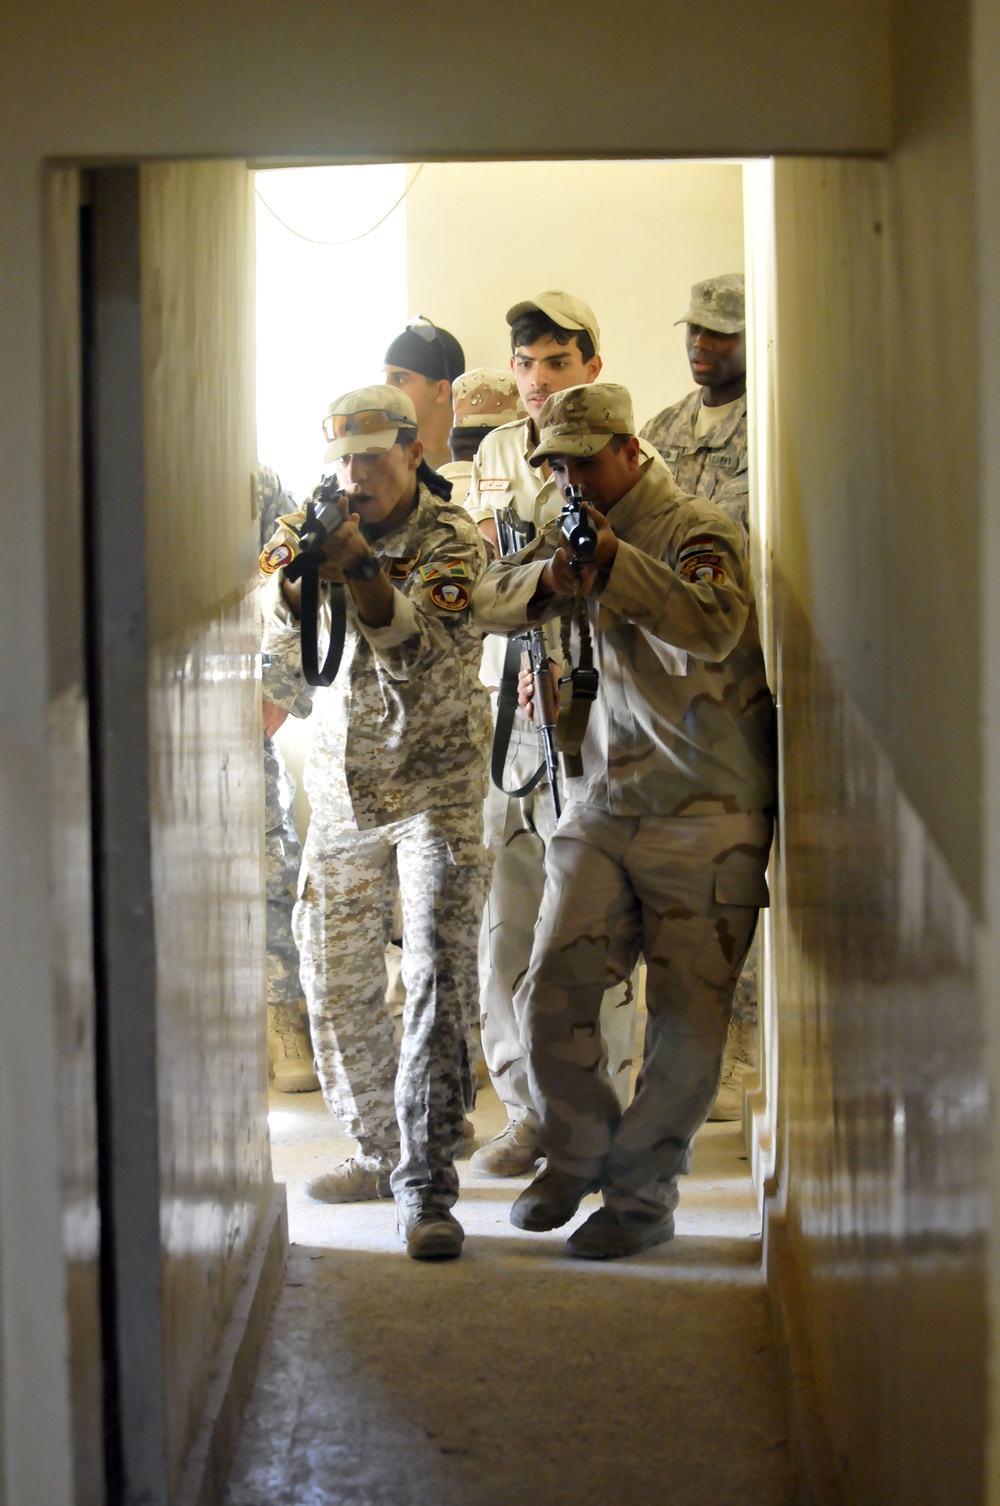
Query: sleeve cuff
x,y
405,624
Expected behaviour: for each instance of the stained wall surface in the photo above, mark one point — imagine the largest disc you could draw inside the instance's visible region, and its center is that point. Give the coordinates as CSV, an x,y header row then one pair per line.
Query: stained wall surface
x,y
629,237
883,1092
205,765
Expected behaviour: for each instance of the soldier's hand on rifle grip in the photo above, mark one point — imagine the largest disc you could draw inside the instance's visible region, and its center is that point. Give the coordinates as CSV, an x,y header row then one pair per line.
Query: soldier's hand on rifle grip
x,y
526,695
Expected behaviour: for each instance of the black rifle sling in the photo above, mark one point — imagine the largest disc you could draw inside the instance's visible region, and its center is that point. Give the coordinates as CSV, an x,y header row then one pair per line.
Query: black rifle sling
x,y
506,708
309,626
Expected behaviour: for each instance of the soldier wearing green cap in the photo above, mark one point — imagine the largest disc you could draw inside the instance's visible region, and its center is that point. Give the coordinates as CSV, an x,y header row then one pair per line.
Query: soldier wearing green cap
x,y
703,438
395,778
663,845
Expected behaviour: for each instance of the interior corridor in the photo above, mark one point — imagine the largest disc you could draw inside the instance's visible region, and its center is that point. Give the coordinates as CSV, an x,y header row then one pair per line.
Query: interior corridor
x,y
516,1374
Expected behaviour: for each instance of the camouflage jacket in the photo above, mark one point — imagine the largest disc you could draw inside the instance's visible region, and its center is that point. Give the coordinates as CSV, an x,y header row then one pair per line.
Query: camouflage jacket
x,y
281,682
714,466
406,725
684,720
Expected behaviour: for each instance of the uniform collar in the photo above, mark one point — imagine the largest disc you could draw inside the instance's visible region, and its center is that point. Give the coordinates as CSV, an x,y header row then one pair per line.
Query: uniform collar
x,y
654,487
402,541
718,437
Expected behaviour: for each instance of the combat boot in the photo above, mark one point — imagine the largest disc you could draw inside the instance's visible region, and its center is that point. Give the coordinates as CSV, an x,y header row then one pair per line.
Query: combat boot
x,y
431,1234
608,1235
513,1153
289,1051
359,1179
551,1200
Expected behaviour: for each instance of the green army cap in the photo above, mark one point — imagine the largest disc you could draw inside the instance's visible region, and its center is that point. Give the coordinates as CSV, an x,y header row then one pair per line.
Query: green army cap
x,y
581,420
368,421
718,304
564,309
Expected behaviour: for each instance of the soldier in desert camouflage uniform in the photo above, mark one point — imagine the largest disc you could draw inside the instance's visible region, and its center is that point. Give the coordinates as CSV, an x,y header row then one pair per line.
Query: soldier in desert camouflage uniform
x,y
283,691
482,400
703,440
664,845
395,778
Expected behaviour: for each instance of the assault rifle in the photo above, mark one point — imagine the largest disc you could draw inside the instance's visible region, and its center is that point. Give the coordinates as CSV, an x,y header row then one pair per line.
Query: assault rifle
x,y
529,651
323,518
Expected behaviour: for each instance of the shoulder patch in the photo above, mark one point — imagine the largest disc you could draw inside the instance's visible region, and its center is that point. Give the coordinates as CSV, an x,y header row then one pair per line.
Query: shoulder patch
x,y
401,569
705,569
274,559
450,596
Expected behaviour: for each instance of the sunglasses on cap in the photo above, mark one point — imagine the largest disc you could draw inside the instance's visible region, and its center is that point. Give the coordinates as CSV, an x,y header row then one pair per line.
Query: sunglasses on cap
x,y
367,421
428,331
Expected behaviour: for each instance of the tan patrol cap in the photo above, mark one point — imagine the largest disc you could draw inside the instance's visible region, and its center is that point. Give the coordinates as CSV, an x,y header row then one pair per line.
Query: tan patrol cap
x,y
581,420
718,304
563,309
485,399
367,421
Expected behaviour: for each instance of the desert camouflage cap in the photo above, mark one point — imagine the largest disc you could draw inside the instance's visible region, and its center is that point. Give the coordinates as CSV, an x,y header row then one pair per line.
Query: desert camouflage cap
x,y
367,421
719,303
581,420
485,399
563,309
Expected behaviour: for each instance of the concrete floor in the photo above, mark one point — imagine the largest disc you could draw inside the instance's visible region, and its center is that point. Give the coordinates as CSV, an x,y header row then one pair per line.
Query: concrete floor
x,y
515,1376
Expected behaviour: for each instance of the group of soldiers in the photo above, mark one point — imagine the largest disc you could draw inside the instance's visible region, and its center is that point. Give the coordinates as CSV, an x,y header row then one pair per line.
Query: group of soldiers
x,y
516,927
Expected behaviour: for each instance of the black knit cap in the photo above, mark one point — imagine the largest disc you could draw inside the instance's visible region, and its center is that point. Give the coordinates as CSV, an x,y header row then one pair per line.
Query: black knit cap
x,y
428,349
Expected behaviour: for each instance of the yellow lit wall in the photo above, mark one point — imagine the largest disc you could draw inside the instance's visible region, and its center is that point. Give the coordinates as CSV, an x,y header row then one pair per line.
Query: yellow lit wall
x,y
628,237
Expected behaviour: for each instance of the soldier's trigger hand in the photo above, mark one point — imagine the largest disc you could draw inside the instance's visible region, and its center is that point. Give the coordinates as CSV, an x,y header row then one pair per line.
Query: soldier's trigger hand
x,y
560,579
344,550
607,540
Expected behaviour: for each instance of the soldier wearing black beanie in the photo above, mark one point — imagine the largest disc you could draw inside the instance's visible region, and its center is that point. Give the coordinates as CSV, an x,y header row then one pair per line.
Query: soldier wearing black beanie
x,y
423,362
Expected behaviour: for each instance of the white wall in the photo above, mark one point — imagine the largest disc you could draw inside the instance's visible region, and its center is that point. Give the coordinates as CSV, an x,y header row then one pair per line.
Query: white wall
x,y
629,237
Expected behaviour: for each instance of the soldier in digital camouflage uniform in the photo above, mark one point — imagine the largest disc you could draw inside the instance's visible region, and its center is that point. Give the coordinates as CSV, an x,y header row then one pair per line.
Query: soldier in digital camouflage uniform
x,y
703,440
555,343
284,691
664,845
395,777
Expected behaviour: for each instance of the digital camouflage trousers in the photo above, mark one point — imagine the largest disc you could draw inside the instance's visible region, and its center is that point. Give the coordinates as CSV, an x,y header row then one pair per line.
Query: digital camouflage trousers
x,y
405,1109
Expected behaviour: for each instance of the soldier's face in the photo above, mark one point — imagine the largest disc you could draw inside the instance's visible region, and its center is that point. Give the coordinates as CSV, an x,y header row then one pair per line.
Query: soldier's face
x,y
546,367
603,478
716,359
428,397
378,486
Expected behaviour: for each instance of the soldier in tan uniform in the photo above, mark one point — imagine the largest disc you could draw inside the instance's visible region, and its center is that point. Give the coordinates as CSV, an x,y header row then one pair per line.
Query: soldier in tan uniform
x,y
423,362
395,777
664,845
555,343
703,440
